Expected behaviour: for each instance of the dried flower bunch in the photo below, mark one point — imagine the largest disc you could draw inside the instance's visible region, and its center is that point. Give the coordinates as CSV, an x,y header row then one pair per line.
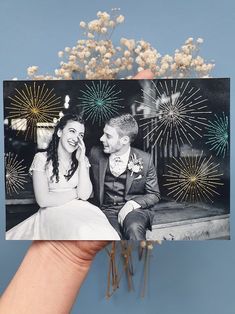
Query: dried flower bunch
x,y
124,251
96,56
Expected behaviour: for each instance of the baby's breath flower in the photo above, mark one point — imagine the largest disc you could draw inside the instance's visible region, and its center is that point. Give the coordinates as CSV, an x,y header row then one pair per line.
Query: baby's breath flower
x,y
90,35
129,67
67,75
118,62
127,53
108,55
189,40
112,24
103,15
72,58
200,40
87,54
165,66
143,244
32,70
103,30
140,69
120,19
82,24
96,57
60,54
94,26
150,246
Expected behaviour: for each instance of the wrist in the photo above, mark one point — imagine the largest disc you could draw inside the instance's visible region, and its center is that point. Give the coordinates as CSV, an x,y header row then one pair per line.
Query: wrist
x,y
50,271
84,162
67,253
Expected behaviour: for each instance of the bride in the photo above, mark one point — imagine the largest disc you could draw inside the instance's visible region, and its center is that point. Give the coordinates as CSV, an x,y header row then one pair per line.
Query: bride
x,y
62,186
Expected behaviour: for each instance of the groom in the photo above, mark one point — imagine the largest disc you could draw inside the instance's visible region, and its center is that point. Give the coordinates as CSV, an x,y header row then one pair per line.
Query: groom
x,y
124,179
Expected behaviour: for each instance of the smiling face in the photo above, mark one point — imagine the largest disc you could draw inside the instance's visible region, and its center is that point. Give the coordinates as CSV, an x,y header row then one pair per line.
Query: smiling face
x,y
113,142
70,134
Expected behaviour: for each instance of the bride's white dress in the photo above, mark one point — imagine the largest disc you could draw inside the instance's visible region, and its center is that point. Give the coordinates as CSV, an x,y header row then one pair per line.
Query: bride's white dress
x,y
75,220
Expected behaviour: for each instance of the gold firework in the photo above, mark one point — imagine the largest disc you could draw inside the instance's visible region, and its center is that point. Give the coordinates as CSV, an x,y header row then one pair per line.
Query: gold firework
x,y
14,173
174,112
193,178
31,105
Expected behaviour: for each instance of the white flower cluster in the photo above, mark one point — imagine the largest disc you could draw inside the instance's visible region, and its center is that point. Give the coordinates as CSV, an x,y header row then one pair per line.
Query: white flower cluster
x,y
187,63
96,57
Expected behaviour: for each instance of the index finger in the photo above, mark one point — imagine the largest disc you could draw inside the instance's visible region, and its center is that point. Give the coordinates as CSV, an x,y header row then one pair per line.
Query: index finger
x,y
80,139
145,74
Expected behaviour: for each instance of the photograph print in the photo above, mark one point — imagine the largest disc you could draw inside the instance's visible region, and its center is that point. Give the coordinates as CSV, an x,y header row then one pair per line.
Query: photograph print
x,y
117,159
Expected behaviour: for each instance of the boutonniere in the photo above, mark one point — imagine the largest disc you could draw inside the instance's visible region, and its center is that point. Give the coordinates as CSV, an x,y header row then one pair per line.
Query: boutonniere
x,y
135,164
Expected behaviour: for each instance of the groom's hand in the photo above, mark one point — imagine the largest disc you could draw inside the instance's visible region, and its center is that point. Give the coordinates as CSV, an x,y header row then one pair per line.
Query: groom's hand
x,y
125,210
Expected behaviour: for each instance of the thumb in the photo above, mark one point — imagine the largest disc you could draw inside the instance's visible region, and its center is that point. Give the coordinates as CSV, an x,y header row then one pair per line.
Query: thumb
x,y
145,74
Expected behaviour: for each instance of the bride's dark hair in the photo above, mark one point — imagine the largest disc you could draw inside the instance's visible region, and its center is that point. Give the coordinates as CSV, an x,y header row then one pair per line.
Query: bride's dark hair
x,y
52,150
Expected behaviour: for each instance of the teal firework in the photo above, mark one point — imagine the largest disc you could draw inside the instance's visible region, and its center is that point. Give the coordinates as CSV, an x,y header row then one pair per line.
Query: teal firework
x,y
100,101
217,134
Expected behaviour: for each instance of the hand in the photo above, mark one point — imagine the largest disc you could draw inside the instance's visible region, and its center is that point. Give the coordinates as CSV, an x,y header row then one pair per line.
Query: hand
x,y
49,277
81,151
80,252
125,210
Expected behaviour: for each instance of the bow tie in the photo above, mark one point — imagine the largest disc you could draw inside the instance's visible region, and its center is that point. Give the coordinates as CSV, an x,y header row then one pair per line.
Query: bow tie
x,y
117,166
117,159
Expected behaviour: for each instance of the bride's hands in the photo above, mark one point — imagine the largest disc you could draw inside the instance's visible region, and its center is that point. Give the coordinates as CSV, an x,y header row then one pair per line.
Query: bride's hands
x,y
81,151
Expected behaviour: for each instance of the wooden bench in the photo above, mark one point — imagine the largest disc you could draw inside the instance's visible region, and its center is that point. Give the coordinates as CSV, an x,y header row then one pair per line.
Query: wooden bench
x,y
172,220
19,209
179,221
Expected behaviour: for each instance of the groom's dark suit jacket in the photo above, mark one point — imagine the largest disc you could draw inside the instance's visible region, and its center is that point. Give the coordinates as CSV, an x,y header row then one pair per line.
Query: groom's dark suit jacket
x,y
141,187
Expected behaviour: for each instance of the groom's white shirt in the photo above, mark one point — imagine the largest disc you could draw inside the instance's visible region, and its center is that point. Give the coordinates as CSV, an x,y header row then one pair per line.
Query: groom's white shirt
x,y
117,168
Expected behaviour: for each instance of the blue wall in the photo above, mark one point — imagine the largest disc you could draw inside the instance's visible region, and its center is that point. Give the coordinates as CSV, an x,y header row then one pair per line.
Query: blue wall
x,y
186,277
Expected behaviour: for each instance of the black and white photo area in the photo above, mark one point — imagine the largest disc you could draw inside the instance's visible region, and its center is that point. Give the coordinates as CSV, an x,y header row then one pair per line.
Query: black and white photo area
x,y
183,125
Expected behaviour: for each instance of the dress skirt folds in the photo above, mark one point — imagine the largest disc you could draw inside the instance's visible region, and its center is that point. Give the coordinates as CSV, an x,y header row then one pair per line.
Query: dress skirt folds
x,y
75,220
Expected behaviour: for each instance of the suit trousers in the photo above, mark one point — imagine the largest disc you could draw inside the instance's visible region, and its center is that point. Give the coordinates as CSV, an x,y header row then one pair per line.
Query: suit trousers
x,y
135,223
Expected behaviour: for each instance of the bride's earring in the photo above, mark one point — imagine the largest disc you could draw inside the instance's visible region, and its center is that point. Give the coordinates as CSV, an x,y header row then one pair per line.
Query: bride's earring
x,y
59,133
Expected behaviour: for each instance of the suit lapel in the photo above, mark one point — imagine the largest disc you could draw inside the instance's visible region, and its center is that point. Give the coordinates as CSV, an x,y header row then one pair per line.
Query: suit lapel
x,y
103,163
129,177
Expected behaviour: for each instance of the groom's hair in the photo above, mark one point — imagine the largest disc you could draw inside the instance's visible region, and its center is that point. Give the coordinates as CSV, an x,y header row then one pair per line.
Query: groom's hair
x,y
125,124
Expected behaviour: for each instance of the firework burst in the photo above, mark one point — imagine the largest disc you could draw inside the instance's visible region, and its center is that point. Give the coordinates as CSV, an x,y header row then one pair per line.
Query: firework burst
x,y
174,113
218,135
14,173
31,105
100,101
193,178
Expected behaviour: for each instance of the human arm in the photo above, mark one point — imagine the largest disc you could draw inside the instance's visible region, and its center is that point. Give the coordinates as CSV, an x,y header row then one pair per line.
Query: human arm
x,y
49,277
84,187
151,194
144,191
46,198
126,209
